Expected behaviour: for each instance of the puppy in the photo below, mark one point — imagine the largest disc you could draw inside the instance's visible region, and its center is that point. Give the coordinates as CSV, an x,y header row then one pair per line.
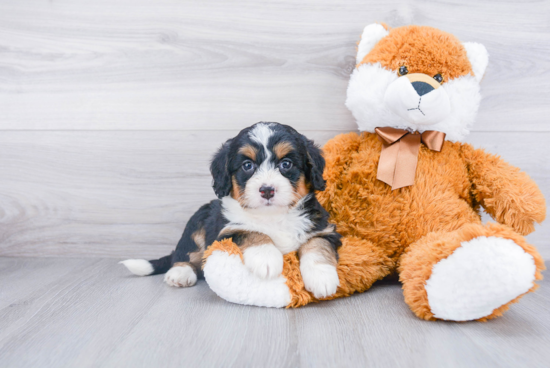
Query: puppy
x,y
265,179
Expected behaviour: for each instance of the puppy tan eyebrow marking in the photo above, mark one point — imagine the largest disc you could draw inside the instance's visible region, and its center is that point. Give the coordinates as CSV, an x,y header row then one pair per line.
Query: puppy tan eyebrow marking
x,y
249,151
282,149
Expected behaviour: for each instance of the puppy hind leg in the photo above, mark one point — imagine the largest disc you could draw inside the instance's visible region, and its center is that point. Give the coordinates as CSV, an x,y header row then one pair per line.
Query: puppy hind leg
x,y
186,268
182,274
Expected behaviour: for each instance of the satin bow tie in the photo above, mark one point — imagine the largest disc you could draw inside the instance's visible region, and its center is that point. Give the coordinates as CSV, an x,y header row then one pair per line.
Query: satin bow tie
x,y
399,156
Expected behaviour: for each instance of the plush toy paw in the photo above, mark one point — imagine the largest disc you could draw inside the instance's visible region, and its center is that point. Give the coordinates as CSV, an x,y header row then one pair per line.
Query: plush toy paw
x,y
181,276
479,277
320,279
227,275
264,261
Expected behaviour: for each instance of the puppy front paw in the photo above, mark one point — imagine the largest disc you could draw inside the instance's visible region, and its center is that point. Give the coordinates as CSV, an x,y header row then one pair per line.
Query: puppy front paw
x,y
265,261
321,279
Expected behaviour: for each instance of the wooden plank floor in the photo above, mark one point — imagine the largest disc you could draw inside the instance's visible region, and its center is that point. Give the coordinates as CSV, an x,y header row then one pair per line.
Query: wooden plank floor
x,y
75,312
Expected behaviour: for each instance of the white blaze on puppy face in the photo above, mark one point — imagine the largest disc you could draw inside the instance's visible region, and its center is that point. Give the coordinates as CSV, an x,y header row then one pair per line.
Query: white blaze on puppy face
x,y
267,175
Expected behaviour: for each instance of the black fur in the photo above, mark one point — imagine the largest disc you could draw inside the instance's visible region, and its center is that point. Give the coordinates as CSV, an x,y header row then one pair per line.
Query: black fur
x,y
221,179
209,217
316,166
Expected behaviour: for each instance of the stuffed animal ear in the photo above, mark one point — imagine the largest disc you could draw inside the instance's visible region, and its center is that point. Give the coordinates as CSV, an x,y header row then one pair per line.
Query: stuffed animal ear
x,y
315,166
479,58
221,181
370,37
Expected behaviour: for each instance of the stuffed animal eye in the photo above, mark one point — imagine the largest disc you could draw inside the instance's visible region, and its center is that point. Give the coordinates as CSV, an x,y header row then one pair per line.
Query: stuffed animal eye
x,y
403,70
438,78
248,166
285,165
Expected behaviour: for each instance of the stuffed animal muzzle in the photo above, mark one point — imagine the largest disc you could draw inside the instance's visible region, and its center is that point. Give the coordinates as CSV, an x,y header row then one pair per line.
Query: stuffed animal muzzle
x,y
418,98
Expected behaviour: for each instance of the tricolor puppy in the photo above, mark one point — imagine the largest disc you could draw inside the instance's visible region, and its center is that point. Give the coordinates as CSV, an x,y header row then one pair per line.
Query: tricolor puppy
x,y
265,179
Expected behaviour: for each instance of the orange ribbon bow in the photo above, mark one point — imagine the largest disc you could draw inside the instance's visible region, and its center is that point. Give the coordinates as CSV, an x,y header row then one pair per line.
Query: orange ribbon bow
x,y
399,156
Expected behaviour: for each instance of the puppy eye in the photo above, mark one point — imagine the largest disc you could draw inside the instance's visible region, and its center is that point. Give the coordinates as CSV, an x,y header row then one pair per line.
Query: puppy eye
x,y
285,165
403,70
438,78
248,166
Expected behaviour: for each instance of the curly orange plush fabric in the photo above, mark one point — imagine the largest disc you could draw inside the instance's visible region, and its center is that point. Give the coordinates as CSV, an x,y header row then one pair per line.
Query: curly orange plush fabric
x,y
416,264
441,209
440,53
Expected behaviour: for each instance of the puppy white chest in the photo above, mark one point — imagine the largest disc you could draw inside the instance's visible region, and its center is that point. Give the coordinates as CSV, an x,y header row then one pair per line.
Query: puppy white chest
x,y
288,229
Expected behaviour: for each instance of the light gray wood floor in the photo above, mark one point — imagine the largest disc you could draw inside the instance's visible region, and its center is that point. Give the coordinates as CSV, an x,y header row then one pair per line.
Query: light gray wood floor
x,y
74,312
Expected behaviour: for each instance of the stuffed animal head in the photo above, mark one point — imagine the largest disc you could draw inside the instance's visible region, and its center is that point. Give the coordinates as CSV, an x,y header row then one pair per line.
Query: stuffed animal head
x,y
416,78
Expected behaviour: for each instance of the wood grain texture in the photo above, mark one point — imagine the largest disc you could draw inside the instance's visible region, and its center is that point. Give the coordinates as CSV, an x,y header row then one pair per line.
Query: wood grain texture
x,y
110,110
170,64
91,313
129,194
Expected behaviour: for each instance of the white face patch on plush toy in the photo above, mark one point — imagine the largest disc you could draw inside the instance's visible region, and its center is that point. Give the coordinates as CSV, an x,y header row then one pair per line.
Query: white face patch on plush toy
x,y
416,78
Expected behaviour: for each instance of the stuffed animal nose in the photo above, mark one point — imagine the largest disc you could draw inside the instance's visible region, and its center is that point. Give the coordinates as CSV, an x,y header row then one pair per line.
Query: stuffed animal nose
x,y
267,192
422,88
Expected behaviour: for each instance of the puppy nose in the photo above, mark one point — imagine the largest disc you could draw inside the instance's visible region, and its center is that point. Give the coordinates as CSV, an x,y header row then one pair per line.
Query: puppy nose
x,y
267,192
422,88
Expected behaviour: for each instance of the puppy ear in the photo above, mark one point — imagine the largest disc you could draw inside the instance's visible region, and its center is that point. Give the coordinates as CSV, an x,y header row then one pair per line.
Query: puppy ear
x,y
221,180
315,166
479,58
370,37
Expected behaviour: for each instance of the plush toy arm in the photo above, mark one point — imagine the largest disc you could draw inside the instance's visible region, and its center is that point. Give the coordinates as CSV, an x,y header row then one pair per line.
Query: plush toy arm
x,y
360,264
227,276
509,195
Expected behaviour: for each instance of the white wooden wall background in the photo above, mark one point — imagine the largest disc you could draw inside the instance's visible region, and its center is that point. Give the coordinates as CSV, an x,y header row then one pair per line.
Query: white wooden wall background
x,y
110,110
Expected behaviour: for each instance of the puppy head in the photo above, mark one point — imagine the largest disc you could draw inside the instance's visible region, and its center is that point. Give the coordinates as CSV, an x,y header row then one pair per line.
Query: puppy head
x,y
268,165
416,78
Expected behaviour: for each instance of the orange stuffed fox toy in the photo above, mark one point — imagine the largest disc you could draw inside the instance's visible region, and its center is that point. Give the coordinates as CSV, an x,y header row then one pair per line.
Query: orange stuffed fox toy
x,y
406,193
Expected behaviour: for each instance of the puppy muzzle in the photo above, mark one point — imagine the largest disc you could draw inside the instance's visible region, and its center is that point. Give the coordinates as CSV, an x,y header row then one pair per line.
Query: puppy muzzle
x,y
418,99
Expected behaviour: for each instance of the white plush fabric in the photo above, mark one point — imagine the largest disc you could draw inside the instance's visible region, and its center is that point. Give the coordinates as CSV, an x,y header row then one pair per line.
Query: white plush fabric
x,y
426,110
479,58
229,278
370,37
480,276
366,99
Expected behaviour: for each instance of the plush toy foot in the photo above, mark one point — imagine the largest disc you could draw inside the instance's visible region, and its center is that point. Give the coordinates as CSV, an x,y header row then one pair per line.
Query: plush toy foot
x,y
478,277
232,280
470,274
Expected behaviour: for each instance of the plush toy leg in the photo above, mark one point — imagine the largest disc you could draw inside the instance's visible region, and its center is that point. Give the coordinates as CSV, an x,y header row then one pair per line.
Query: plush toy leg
x,y
360,264
228,277
474,273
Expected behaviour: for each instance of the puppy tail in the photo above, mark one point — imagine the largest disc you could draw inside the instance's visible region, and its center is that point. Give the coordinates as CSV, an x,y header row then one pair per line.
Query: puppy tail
x,y
142,267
